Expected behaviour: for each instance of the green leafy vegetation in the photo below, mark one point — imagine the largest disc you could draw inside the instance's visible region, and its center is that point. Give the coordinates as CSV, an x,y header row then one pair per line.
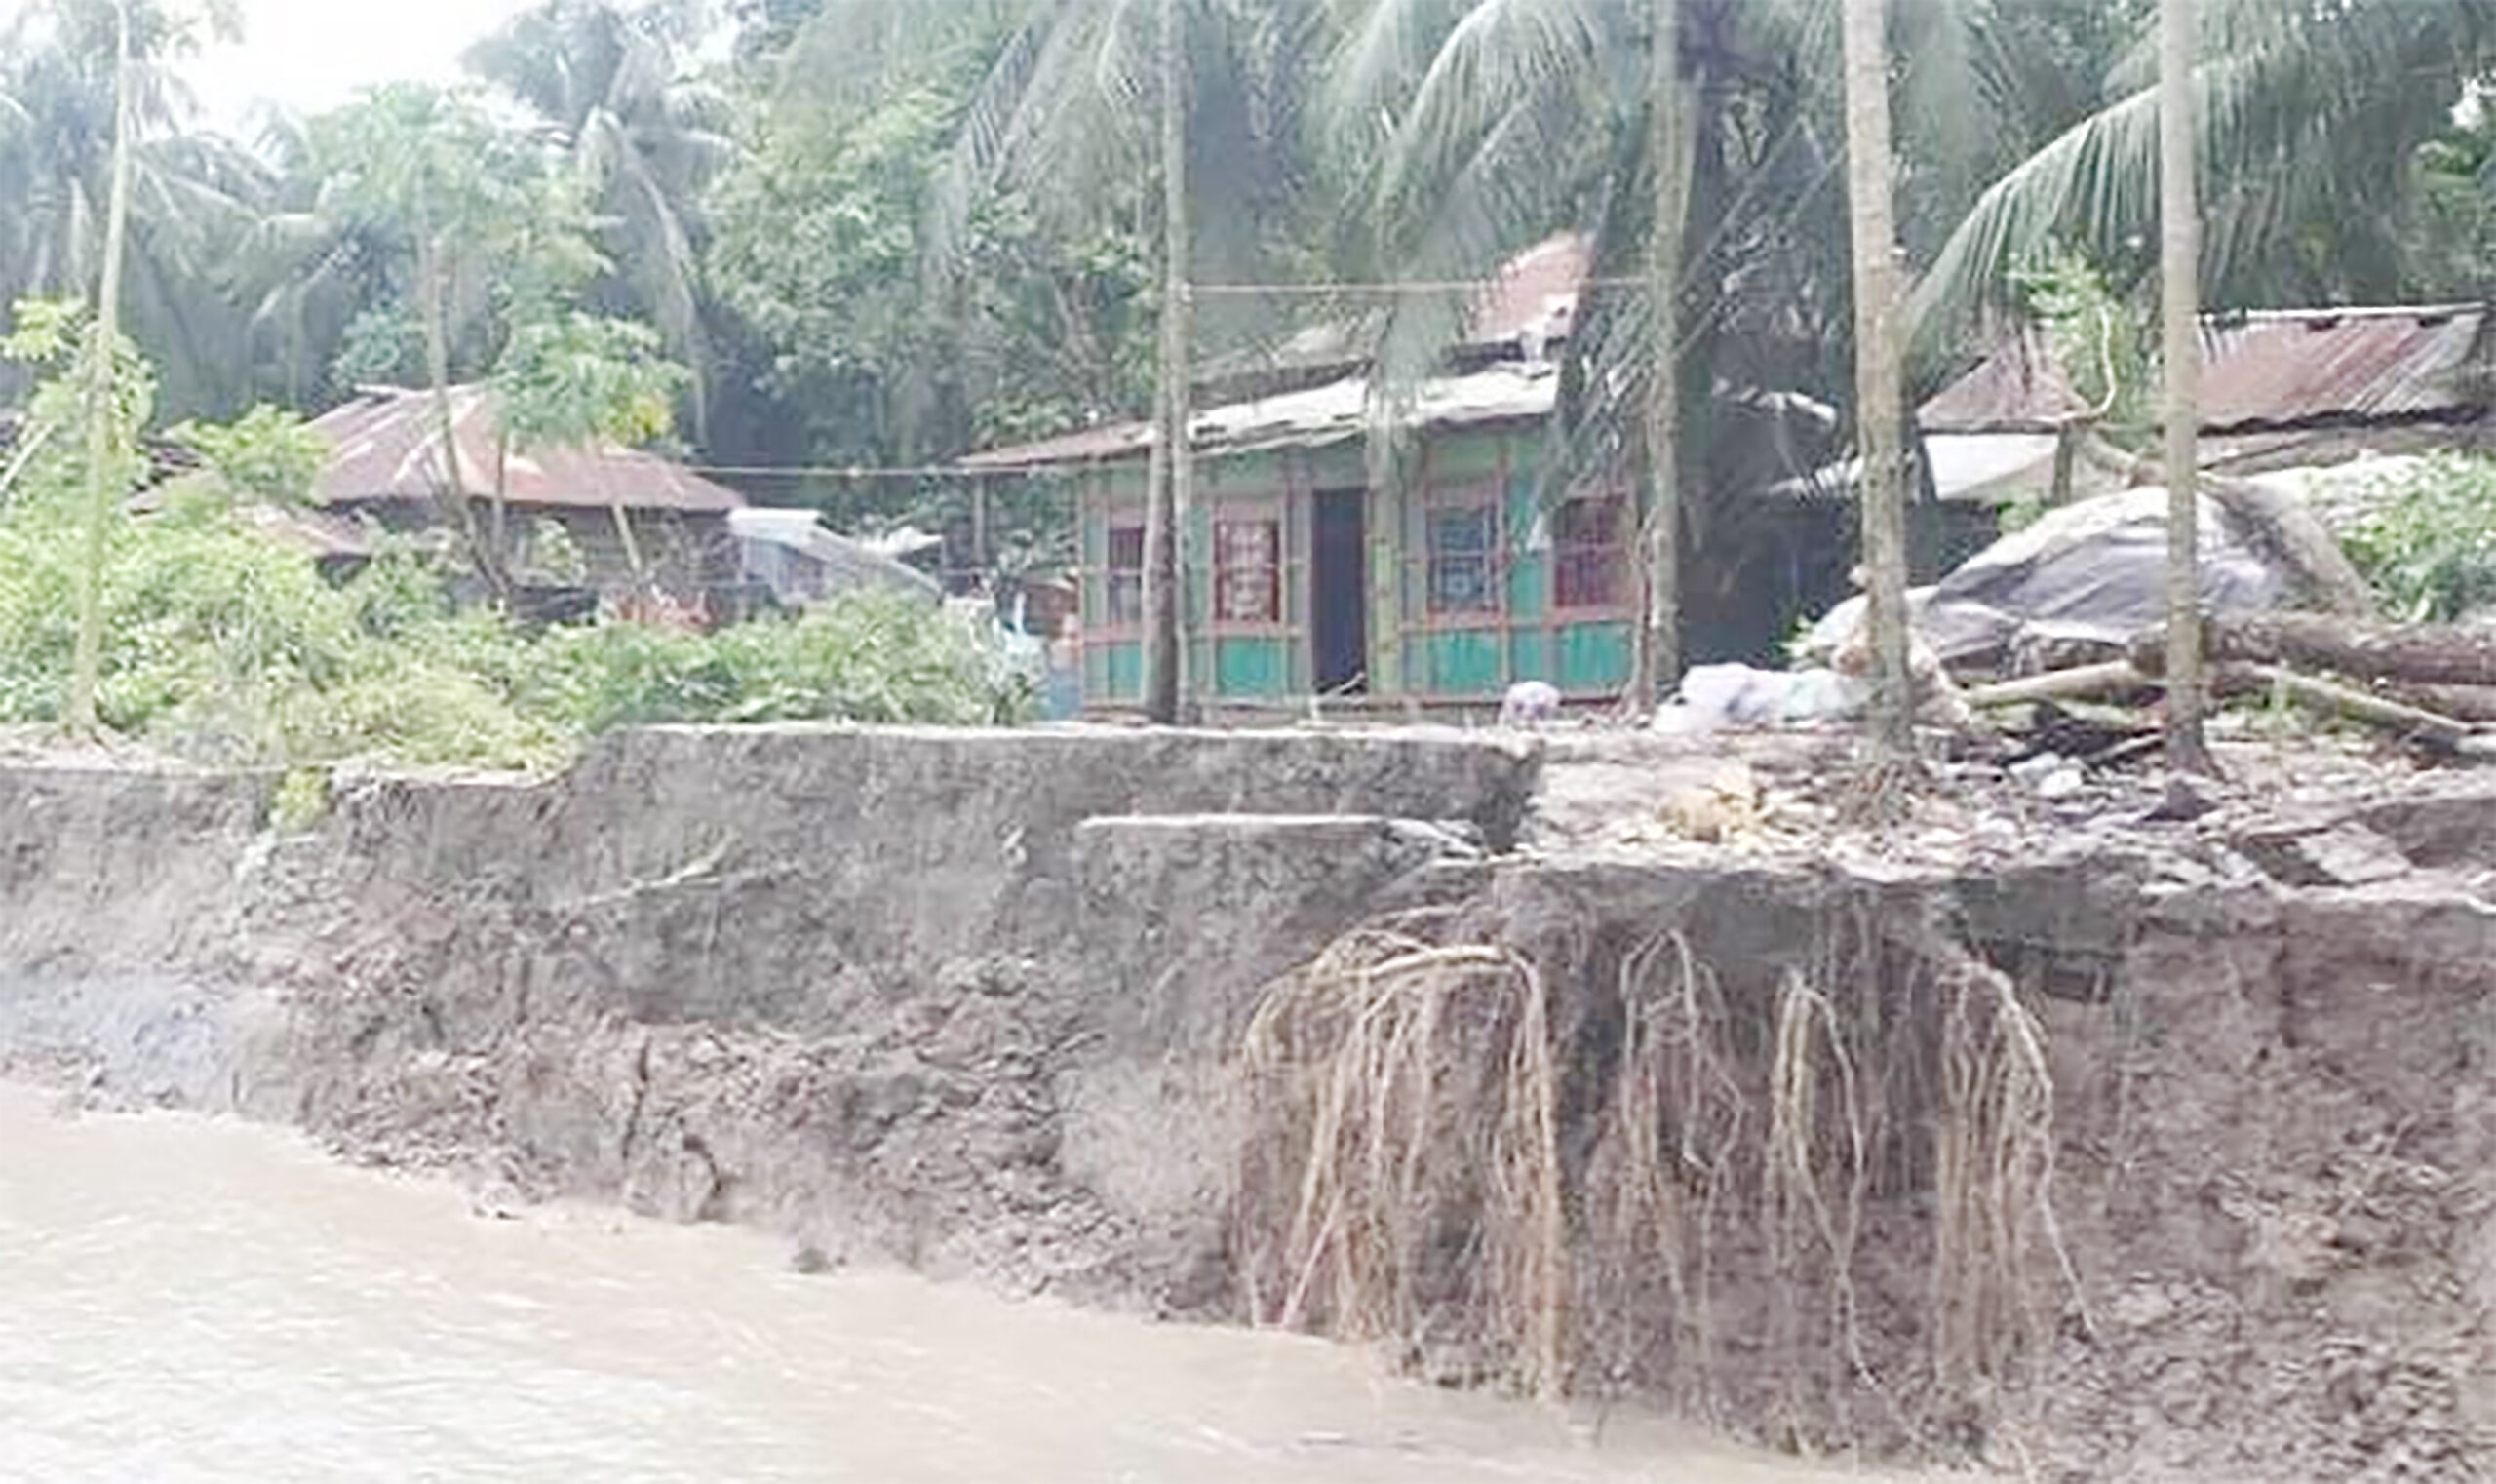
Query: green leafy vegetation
x,y
224,646
2102,341
2428,544
879,233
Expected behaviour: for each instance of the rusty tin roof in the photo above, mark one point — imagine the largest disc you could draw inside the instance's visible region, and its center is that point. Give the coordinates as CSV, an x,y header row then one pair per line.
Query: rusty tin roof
x,y
2288,369
387,447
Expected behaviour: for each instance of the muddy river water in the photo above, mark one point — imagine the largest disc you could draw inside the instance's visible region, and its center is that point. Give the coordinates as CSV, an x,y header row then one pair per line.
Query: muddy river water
x,y
184,1301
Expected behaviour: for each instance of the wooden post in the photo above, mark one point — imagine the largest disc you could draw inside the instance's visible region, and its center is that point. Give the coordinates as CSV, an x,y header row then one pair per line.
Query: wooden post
x,y
1164,564
1880,397
2180,266
2066,465
1670,141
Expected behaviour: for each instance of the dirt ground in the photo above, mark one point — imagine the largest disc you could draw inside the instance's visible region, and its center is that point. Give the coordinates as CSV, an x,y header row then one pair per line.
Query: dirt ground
x,y
2270,1032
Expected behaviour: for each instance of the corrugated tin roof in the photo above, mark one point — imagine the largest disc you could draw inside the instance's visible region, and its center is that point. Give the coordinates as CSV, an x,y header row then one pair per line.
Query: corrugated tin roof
x,y
2264,369
1531,299
1335,412
852,563
2021,388
388,447
1531,296
1538,292
318,535
2281,369
1083,446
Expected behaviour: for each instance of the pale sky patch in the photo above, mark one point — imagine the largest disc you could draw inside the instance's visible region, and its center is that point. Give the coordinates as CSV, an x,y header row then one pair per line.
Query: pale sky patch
x,y
310,54
305,56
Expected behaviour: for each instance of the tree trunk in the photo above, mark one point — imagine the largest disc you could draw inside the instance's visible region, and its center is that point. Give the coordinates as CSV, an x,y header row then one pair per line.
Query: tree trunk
x,y
631,544
1880,396
2416,654
456,517
501,533
2180,268
1672,144
103,412
1165,680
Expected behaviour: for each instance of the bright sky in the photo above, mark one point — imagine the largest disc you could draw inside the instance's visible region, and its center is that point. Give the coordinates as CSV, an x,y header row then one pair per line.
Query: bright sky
x,y
309,55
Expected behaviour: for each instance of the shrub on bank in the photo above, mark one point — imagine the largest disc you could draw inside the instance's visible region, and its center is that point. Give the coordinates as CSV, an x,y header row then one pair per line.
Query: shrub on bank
x,y
225,648
2426,541
220,643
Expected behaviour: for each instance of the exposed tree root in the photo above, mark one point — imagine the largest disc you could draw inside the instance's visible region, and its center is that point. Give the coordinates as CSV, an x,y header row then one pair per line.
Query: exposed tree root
x,y
1414,1082
1587,1163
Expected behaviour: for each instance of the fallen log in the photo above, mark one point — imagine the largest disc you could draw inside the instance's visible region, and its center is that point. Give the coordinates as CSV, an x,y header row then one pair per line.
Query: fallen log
x,y
2076,683
2436,731
2463,703
2418,723
2415,655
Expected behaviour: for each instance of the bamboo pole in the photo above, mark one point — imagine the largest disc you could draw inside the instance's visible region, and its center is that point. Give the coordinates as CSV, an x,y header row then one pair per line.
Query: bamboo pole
x,y
103,414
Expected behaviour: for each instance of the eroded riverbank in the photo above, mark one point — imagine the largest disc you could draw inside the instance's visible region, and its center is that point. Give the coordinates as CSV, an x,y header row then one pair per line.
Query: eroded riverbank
x,y
2100,1149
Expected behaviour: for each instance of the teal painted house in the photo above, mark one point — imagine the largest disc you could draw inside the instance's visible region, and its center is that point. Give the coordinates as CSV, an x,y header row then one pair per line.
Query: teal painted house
x,y
1304,579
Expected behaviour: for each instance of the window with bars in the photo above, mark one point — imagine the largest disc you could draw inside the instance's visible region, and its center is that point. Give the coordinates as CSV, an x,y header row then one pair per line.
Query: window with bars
x,y
1122,599
1248,570
1589,557
1463,543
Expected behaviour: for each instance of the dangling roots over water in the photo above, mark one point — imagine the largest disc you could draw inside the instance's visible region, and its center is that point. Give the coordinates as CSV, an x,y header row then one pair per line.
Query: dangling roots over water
x,y
1571,1159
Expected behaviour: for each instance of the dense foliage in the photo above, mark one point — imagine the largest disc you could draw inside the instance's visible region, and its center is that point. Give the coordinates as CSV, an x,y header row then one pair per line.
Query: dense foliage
x,y
225,646
879,233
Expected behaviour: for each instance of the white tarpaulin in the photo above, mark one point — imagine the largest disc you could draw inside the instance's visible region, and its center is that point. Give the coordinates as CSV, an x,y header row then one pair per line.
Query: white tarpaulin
x,y
2094,571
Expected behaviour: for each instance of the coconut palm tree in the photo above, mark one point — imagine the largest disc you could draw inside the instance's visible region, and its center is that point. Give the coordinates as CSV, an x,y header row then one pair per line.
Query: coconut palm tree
x,y
1084,105
2180,276
2302,115
1066,114
1879,398
1474,128
609,80
310,276
1697,142
192,196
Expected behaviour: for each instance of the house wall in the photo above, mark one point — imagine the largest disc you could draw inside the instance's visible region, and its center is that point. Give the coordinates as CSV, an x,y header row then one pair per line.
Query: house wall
x,y
1416,650
687,553
684,552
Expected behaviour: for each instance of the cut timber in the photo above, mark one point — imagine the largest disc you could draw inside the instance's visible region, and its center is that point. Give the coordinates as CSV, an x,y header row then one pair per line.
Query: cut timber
x,y
2427,726
2436,728
2467,703
2109,679
2416,654
2277,523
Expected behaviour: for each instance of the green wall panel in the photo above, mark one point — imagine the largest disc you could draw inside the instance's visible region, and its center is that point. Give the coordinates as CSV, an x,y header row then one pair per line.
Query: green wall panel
x,y
1472,455
1529,655
1465,661
1252,668
1593,656
1113,673
1529,572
